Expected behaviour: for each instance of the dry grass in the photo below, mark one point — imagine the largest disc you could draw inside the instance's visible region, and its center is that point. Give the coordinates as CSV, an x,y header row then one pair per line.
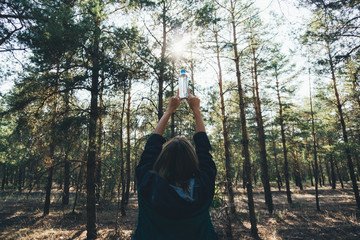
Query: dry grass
x,y
22,218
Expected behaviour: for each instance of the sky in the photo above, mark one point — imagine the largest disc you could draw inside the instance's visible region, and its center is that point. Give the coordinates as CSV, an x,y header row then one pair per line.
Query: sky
x,y
284,8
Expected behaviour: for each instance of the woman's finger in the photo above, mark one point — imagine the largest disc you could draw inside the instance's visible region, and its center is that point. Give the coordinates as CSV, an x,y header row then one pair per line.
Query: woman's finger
x,y
190,95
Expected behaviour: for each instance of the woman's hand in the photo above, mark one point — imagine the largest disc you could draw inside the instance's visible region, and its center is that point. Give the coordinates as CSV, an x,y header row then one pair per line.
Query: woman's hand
x,y
194,102
174,103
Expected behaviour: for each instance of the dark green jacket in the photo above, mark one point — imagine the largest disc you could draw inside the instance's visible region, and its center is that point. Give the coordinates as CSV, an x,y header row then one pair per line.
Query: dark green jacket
x,y
163,214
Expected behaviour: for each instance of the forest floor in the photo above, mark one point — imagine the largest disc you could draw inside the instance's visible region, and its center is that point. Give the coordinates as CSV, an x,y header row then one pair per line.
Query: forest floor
x,y
22,218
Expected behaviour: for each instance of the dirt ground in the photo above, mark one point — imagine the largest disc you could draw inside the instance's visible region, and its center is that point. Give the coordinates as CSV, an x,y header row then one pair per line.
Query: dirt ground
x,y
21,218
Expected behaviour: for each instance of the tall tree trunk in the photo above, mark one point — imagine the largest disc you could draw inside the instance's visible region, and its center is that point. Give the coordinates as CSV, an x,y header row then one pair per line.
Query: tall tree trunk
x,y
66,193
226,142
278,177
354,81
4,171
245,138
321,172
283,140
332,167
19,184
128,150
50,171
50,160
99,142
78,187
327,167
297,170
343,126
338,174
91,161
311,175
261,133
161,76
316,171
122,163
172,120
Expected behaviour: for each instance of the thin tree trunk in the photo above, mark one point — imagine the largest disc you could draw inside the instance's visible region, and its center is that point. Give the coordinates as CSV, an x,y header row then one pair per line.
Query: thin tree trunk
x,y
316,171
91,161
50,171
245,138
278,177
311,175
20,178
328,172
4,177
338,173
161,78
321,172
343,126
332,167
78,188
261,133
99,143
172,120
50,160
283,140
226,143
128,150
297,170
122,172
66,193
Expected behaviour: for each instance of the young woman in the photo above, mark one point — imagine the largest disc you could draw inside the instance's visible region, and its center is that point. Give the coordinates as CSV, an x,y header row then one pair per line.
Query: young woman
x,y
176,183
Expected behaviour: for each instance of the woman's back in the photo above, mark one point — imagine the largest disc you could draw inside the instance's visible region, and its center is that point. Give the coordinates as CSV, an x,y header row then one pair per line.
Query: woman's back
x,y
163,212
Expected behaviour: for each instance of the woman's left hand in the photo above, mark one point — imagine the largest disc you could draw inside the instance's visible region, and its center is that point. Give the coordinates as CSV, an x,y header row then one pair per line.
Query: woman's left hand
x,y
174,103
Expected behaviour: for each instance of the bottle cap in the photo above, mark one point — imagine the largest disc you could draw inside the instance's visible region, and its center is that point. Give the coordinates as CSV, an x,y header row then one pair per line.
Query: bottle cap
x,y
182,71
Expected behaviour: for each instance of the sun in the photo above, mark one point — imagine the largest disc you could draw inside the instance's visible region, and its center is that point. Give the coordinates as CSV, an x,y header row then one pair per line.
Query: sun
x,y
180,46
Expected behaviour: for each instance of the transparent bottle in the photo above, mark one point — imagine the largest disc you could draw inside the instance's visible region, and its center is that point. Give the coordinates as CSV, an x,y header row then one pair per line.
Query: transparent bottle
x,y
183,84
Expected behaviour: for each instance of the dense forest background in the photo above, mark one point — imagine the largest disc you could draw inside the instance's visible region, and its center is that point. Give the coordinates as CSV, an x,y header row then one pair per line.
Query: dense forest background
x,y
85,82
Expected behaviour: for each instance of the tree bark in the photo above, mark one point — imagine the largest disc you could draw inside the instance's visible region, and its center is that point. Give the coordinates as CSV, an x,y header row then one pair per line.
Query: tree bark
x,y
311,175
122,172
283,140
278,177
321,172
66,193
50,160
91,161
78,187
172,120
99,143
245,138
128,150
226,143
327,167
261,133
4,171
161,78
332,167
316,171
297,170
338,173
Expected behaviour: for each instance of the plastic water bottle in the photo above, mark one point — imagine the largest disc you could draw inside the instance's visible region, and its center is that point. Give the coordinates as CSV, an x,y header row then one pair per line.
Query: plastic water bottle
x,y
183,84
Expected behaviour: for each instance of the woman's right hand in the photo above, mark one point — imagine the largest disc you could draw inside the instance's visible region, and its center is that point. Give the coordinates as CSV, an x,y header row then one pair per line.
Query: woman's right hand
x,y
194,102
